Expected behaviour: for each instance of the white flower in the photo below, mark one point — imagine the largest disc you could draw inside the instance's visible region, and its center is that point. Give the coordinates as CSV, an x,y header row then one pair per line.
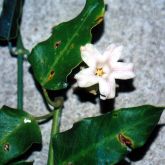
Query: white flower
x,y
103,69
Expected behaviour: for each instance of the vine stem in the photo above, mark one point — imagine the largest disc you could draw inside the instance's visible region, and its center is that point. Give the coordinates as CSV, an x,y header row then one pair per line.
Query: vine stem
x,y
19,46
58,101
44,117
20,82
55,129
19,52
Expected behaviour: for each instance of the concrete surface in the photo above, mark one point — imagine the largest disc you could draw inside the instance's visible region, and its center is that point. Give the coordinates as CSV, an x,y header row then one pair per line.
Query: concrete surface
x,y
138,25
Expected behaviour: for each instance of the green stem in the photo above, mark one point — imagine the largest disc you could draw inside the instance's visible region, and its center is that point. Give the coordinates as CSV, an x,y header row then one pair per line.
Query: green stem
x,y
19,52
55,129
20,73
20,82
58,102
44,117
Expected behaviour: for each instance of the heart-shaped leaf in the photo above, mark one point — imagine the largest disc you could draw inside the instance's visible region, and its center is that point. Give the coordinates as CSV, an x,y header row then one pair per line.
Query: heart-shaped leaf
x,y
106,139
53,59
9,19
18,131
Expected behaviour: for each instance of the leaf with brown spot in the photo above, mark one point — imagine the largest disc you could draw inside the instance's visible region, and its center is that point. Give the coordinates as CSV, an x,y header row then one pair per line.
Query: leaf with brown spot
x,y
106,139
61,51
16,136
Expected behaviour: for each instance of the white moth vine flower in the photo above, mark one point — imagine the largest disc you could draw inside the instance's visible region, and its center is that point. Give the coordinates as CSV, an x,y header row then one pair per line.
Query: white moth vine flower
x,y
103,69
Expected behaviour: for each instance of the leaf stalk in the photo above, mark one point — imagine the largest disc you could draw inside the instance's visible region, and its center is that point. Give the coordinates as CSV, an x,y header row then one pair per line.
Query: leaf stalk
x,y
55,129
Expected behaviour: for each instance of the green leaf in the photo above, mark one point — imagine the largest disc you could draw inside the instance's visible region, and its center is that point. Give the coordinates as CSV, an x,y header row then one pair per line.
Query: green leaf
x,y
53,59
9,20
106,139
22,163
18,131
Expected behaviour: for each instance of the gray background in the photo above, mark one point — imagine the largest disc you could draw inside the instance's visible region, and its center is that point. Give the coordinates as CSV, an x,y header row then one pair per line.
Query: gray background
x,y
136,24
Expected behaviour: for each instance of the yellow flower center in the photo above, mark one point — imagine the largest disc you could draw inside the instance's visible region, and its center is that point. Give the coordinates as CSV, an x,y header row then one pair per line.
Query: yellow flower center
x,y
99,72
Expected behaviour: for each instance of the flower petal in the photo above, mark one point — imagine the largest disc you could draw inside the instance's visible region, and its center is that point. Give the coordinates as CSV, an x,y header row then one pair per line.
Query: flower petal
x,y
123,71
107,88
89,54
113,52
86,78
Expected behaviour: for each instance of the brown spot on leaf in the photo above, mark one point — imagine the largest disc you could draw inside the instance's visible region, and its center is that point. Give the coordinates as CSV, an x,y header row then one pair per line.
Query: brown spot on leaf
x,y
6,147
124,140
51,75
99,19
57,44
